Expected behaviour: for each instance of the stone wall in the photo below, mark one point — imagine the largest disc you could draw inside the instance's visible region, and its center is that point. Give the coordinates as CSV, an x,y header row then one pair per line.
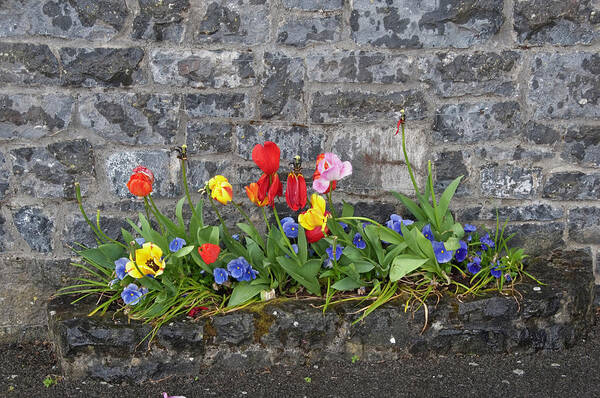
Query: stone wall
x,y
505,92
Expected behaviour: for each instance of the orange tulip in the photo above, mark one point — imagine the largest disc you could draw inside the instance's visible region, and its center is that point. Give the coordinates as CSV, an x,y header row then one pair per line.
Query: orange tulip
x,y
252,192
140,182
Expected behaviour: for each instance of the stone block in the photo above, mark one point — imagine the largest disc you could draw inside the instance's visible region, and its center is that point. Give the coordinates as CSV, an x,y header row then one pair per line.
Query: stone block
x,y
565,85
102,67
540,134
377,160
135,119
475,123
448,165
480,73
572,185
76,230
555,22
532,212
425,24
5,174
29,117
36,227
28,64
6,239
282,88
314,5
230,105
301,32
582,146
50,172
363,67
525,154
203,68
160,20
295,140
584,225
509,181
240,22
119,165
207,137
354,106
68,19
536,239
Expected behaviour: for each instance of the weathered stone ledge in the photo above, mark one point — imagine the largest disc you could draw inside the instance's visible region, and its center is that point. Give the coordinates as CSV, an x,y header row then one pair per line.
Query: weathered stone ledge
x,y
549,317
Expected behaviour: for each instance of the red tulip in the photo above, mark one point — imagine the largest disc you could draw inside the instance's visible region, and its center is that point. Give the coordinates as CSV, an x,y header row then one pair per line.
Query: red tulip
x,y
266,158
295,191
314,235
140,182
209,252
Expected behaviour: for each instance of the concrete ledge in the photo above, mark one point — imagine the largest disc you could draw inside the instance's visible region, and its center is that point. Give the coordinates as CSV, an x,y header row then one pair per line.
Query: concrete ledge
x,y
549,317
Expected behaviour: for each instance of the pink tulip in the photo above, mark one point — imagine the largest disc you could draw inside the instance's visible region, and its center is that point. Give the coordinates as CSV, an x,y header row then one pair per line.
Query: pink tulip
x,y
331,168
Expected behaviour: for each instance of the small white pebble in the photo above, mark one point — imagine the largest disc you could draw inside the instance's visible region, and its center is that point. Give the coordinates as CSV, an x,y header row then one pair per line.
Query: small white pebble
x,y
583,101
537,289
52,313
519,372
555,365
518,361
505,381
296,324
191,359
316,366
275,313
473,364
14,376
563,375
392,340
244,392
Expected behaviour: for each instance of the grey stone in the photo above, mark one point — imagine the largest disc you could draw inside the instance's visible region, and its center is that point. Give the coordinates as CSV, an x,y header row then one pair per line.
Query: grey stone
x,y
77,231
454,75
417,24
205,137
509,181
203,68
292,141
582,146
534,212
282,88
584,224
28,64
104,67
36,227
4,177
449,165
5,238
301,32
233,105
518,153
351,106
363,67
28,283
565,85
160,20
119,165
223,21
87,19
52,171
143,119
29,117
236,328
540,134
572,185
539,22
536,239
376,156
475,123
314,5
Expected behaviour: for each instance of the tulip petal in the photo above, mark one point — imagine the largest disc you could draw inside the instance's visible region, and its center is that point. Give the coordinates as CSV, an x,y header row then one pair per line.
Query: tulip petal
x,y
321,185
266,157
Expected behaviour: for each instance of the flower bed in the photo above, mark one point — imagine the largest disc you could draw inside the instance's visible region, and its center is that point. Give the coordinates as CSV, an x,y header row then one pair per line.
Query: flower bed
x,y
551,316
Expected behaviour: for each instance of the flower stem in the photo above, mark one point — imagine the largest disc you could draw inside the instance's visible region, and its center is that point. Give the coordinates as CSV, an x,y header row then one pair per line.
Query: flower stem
x,y
85,217
282,231
212,203
330,200
156,213
266,219
185,182
149,208
408,166
361,219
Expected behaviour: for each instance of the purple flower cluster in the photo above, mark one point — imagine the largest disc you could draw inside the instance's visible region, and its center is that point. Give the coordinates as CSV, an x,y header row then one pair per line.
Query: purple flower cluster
x,y
395,223
238,268
290,227
132,294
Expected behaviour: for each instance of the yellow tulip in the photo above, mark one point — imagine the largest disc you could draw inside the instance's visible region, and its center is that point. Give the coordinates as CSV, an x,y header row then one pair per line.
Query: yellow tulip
x,y
316,215
148,261
221,190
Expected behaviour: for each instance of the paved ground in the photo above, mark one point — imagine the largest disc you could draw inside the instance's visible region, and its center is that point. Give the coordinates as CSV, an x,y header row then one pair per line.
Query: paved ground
x,y
571,373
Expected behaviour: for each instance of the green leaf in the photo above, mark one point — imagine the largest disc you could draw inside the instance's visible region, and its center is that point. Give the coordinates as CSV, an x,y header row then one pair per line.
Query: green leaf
x,y
198,260
208,234
252,232
347,210
363,266
184,251
458,230
305,274
390,235
452,244
179,212
447,197
256,254
302,244
395,251
244,292
373,239
103,255
411,206
404,265
150,283
346,284
127,237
